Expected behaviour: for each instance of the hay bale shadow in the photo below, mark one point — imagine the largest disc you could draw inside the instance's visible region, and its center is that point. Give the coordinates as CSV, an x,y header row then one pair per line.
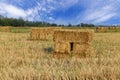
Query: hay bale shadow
x,y
48,50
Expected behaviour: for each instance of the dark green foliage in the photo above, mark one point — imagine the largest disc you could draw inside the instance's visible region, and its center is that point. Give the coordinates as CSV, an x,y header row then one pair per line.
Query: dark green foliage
x,y
87,25
4,21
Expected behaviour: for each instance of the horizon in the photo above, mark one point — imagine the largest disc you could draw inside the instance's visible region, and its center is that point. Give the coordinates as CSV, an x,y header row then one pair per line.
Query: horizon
x,y
98,12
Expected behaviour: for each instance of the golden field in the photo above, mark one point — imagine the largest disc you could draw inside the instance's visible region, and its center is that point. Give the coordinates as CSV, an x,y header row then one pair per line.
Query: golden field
x,y
24,59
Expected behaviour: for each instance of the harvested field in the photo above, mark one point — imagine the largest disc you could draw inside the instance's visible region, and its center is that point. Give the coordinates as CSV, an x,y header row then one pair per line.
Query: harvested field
x,y
22,59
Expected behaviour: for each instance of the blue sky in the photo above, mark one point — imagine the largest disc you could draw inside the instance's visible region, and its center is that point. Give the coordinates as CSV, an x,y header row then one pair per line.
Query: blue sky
x,y
63,11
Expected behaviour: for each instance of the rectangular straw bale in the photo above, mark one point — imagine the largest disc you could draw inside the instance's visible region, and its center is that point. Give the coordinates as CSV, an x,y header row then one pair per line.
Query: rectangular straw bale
x,y
33,34
73,36
111,28
73,42
82,49
42,33
61,47
115,27
101,29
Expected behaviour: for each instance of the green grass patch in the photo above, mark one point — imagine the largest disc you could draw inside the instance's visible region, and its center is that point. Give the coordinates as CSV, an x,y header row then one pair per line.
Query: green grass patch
x,y
20,29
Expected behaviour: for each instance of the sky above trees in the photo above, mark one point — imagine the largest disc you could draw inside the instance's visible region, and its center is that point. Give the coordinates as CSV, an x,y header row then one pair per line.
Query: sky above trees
x,y
63,11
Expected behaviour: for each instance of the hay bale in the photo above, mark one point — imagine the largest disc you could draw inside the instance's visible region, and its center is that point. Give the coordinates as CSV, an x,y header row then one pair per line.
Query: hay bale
x,y
82,49
5,29
43,33
76,42
34,34
115,28
62,47
111,28
73,36
101,29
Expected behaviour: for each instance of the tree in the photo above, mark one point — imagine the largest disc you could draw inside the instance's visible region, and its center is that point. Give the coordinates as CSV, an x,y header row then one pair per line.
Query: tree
x,y
53,24
69,25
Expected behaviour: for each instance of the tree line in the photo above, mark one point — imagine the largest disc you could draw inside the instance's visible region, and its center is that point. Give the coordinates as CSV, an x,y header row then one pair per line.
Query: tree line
x,y
5,21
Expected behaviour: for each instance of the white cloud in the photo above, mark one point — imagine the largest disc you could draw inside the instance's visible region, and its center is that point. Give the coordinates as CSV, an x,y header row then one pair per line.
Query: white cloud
x,y
105,18
67,3
16,12
11,11
40,11
99,11
50,0
51,18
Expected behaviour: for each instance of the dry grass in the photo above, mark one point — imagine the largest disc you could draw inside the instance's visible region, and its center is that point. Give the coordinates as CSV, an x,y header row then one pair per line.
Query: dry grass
x,y
5,29
21,59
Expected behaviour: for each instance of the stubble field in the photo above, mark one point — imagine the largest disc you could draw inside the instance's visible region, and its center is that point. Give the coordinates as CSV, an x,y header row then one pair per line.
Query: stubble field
x,y
24,59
